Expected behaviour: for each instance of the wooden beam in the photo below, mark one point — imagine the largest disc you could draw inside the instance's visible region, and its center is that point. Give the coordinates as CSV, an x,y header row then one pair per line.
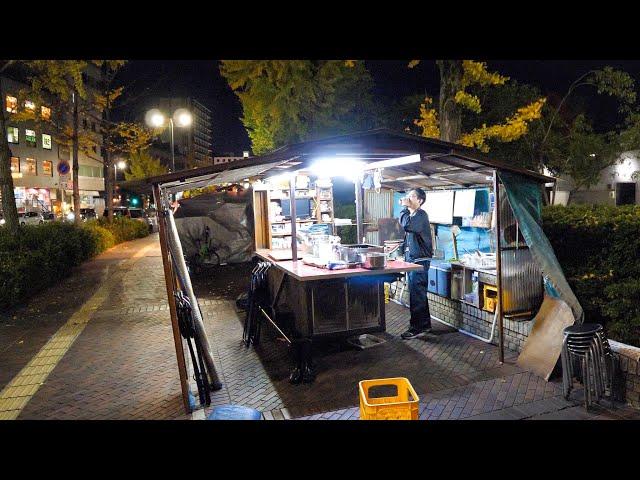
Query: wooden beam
x,y
169,280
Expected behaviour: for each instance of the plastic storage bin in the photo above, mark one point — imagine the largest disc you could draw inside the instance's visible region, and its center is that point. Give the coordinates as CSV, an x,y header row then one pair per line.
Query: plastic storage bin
x,y
402,406
439,279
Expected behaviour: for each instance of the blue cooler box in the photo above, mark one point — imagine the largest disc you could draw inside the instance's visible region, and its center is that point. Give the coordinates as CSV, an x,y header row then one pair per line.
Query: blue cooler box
x,y
439,281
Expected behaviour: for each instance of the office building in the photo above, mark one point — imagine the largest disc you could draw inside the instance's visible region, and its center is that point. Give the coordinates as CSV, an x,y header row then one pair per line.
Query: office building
x,y
193,144
35,155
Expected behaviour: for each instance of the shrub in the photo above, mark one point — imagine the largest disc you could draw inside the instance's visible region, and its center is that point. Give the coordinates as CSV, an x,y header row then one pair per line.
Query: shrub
x,y
102,237
598,247
41,255
125,229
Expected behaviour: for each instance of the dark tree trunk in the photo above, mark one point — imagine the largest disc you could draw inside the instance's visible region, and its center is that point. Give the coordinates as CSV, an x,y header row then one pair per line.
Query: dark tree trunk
x,y
108,183
10,212
450,112
76,166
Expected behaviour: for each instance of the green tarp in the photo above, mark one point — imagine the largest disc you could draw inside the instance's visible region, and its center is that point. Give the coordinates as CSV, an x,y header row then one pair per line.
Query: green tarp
x,y
525,198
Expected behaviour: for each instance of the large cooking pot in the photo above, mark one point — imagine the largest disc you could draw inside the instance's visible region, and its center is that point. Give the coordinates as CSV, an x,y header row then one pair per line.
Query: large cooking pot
x,y
355,253
374,260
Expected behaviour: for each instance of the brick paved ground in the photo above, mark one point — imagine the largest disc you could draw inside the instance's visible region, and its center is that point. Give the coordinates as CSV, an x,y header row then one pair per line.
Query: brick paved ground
x,y
456,376
122,366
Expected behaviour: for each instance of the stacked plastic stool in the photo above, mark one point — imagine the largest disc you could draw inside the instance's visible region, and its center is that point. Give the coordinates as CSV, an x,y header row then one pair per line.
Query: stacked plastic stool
x,y
586,347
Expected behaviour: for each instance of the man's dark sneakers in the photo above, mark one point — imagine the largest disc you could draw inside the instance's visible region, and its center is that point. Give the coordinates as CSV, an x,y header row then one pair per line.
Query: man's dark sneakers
x,y
411,333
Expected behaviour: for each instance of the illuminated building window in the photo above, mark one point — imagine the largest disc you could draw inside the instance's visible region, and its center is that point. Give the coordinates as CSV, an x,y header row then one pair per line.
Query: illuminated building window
x,y
29,105
15,164
11,104
47,168
12,134
30,166
46,141
45,112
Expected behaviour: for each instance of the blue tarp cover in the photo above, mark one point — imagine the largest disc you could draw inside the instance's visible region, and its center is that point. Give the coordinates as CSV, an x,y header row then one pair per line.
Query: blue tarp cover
x,y
525,198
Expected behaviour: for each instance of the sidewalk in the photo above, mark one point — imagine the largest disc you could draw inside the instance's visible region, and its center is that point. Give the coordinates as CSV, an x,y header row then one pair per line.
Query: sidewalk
x,y
100,346
121,362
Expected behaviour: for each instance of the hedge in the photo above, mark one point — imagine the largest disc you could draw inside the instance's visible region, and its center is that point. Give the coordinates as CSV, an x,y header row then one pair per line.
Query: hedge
x,y
598,247
40,255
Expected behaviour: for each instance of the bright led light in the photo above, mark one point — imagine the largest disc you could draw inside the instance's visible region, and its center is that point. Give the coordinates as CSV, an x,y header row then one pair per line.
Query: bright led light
x,y
71,216
346,167
394,162
182,117
122,165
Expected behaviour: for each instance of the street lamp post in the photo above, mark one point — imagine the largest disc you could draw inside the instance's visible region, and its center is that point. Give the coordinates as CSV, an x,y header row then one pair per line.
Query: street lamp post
x,y
181,117
117,165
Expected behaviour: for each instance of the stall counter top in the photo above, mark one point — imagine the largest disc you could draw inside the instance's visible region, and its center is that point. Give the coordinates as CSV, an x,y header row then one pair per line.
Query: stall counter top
x,y
477,269
305,273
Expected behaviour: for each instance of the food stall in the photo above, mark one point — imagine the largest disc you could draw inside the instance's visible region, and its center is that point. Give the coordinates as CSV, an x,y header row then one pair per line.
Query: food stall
x,y
490,249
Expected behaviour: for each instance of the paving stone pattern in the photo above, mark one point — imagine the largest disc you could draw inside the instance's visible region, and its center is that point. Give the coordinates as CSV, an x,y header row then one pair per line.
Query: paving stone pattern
x,y
122,365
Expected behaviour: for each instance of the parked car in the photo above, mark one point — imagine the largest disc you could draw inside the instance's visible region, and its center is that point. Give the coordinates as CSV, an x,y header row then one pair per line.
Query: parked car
x,y
87,214
48,217
30,218
117,212
140,215
153,219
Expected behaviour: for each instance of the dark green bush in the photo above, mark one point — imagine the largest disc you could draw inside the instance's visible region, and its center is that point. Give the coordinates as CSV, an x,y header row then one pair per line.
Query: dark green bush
x,y
598,247
40,255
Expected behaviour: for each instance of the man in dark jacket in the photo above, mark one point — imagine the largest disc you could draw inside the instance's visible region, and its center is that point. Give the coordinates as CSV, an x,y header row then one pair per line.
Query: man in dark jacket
x,y
417,249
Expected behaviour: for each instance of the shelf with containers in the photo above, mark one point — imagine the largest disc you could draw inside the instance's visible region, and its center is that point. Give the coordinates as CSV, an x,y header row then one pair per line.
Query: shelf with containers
x,y
272,210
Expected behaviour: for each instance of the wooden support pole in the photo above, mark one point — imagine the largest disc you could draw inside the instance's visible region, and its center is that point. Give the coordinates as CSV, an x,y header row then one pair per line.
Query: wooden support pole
x,y
170,279
496,212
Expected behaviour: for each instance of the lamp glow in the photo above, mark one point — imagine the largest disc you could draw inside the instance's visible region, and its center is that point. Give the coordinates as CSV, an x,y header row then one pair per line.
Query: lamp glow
x,y
122,165
155,118
394,162
182,117
346,167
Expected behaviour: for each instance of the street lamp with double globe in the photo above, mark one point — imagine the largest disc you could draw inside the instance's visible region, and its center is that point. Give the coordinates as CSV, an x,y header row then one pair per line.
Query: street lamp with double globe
x,y
181,117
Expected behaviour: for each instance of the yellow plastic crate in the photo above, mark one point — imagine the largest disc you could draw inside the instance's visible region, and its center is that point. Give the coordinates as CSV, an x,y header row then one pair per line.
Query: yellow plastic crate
x,y
403,406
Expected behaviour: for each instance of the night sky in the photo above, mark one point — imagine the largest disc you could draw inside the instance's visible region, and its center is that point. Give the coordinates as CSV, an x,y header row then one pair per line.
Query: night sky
x,y
201,80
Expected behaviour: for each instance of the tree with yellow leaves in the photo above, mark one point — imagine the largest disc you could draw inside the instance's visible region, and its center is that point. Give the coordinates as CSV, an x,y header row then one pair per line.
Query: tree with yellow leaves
x,y
456,77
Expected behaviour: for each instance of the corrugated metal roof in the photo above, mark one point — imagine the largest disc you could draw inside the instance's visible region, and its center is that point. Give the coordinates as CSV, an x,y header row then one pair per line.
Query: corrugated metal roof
x,y
464,166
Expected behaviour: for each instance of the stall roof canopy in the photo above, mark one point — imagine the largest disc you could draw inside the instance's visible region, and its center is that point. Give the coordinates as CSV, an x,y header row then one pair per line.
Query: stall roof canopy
x,y
442,164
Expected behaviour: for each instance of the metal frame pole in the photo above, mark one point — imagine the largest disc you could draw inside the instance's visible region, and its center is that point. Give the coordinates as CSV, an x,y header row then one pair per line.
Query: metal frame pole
x,y
169,278
359,229
292,201
496,212
173,155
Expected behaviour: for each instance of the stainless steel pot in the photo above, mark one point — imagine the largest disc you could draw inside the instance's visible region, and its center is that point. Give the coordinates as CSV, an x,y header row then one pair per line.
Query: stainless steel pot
x,y
374,260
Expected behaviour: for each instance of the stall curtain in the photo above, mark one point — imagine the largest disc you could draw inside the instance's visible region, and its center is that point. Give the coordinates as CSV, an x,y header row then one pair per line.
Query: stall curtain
x,y
525,198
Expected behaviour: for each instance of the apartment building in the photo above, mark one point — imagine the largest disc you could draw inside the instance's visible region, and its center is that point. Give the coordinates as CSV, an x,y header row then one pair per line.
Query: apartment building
x,y
193,144
229,157
35,156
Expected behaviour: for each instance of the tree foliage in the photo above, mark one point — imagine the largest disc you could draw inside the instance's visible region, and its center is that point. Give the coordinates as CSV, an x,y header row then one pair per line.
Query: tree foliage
x,y
143,165
288,101
520,125
462,98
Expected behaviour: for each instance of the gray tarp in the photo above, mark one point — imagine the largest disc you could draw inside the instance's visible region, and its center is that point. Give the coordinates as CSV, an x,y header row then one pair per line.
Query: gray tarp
x,y
230,222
